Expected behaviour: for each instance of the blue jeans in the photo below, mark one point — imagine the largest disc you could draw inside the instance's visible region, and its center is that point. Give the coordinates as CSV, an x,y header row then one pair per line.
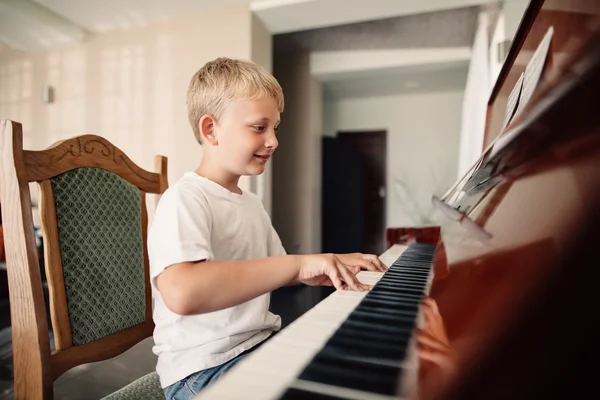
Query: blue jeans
x,y
189,387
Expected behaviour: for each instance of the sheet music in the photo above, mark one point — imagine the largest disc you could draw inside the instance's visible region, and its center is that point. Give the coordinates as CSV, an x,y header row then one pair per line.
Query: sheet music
x,y
513,101
531,78
534,69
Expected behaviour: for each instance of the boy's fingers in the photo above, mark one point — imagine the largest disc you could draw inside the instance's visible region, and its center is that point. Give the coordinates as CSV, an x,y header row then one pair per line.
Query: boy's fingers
x,y
335,280
368,265
376,262
350,279
355,269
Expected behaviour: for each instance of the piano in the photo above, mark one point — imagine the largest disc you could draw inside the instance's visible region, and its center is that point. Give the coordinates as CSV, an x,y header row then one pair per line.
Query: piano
x,y
511,265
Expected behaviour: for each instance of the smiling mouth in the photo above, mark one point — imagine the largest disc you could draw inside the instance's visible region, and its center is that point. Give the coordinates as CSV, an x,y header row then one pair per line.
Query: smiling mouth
x,y
264,158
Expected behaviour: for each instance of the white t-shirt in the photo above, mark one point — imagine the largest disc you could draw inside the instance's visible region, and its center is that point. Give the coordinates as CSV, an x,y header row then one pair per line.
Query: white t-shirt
x,y
197,219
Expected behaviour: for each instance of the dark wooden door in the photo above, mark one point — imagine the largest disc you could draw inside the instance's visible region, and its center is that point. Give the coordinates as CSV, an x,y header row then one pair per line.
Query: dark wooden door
x,y
371,147
342,227
365,200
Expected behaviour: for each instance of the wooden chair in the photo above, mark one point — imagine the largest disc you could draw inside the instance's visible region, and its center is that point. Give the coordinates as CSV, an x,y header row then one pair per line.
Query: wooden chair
x,y
94,224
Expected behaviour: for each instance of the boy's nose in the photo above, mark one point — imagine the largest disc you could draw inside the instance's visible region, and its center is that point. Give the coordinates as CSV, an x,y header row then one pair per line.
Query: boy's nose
x,y
271,141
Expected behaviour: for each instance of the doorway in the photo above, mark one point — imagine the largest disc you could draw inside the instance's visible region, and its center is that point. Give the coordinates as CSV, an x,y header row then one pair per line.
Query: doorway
x,y
353,195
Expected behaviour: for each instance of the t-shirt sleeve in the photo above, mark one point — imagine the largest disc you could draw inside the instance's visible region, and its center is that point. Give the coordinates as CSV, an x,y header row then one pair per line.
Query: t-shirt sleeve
x,y
180,231
275,246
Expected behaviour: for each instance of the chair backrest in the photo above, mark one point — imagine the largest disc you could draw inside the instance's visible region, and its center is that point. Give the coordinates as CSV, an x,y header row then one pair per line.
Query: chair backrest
x,y
94,224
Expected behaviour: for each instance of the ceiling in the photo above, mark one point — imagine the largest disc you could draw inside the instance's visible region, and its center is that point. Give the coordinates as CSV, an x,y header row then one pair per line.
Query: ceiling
x,y
42,25
282,16
105,15
424,30
399,81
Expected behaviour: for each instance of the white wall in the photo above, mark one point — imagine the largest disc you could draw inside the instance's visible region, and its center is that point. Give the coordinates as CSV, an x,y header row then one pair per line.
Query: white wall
x,y
423,132
475,100
128,86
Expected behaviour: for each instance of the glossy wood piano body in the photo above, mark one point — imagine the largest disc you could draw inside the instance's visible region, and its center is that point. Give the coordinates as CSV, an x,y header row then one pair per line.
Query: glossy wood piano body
x,y
514,222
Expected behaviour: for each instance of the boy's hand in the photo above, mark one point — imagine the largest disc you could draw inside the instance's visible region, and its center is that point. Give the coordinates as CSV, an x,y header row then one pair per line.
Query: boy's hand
x,y
327,270
358,261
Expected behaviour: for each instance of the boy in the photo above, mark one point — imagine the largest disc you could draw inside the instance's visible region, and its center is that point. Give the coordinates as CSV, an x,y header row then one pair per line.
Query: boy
x,y
214,255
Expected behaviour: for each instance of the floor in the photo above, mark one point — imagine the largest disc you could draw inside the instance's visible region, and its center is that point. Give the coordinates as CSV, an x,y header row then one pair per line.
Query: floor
x,y
93,381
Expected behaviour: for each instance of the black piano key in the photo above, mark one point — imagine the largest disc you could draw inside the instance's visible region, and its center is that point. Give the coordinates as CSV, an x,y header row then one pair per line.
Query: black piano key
x,y
401,298
360,347
386,306
379,318
372,356
404,287
351,338
405,258
374,310
419,275
394,339
400,286
401,315
403,282
398,290
407,288
392,303
383,329
369,355
407,273
418,293
343,346
415,256
412,264
410,270
404,275
353,374
297,394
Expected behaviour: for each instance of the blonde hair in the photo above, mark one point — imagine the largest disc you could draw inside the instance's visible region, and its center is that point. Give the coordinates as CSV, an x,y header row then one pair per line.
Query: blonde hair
x,y
224,79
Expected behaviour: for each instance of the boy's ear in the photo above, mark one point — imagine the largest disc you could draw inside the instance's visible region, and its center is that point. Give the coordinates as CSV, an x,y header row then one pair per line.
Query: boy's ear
x,y
207,125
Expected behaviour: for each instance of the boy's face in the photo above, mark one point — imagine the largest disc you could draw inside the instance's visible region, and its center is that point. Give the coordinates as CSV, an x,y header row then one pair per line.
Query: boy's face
x,y
246,134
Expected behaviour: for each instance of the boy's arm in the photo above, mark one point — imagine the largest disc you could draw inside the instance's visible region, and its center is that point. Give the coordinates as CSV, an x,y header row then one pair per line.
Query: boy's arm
x,y
276,248
207,286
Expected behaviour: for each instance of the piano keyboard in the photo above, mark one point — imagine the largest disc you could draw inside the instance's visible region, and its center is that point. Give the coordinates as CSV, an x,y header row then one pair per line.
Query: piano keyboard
x,y
352,345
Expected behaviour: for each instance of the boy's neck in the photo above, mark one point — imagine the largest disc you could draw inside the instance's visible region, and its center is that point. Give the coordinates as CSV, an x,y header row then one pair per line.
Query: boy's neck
x,y
228,181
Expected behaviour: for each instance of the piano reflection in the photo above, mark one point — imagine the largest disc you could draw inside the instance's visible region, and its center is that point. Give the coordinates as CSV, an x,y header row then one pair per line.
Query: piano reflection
x,y
495,302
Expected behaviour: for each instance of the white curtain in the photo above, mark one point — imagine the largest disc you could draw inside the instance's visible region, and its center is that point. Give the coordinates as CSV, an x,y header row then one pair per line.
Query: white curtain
x,y
477,92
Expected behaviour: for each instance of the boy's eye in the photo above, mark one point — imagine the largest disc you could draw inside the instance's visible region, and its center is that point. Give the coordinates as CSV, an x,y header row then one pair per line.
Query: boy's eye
x,y
259,128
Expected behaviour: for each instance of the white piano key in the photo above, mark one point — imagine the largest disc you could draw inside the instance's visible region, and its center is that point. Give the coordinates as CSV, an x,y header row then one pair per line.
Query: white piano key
x,y
353,394
392,254
274,367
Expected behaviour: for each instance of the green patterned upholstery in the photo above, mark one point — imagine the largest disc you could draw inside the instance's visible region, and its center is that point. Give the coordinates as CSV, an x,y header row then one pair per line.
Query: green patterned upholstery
x,y
101,246
145,388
